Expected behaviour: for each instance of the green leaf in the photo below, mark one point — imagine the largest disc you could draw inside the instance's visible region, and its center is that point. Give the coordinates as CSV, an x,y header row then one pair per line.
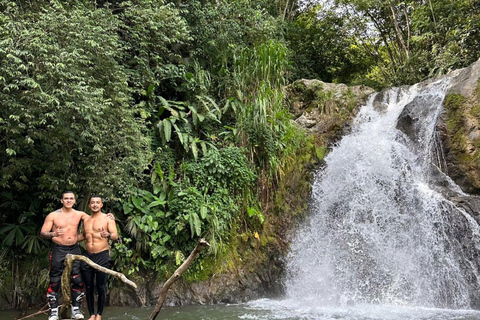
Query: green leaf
x,y
203,212
137,202
127,207
150,90
10,238
7,227
19,237
204,147
197,223
179,257
167,129
194,149
156,203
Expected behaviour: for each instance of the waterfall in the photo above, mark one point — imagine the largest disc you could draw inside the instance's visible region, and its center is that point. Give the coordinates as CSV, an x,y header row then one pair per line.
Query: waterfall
x,y
380,231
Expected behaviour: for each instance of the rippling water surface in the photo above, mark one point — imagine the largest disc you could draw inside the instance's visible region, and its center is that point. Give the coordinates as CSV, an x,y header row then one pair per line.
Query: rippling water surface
x,y
266,309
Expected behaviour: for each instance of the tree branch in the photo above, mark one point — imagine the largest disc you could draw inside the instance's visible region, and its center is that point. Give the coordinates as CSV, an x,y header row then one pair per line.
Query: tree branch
x,y
163,291
69,258
43,310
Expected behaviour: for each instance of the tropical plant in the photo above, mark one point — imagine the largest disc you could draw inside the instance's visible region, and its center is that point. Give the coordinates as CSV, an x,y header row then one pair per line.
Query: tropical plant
x,y
20,240
257,103
185,122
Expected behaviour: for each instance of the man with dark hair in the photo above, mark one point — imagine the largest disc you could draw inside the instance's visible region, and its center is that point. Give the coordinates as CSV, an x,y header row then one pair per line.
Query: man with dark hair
x,y
61,226
97,231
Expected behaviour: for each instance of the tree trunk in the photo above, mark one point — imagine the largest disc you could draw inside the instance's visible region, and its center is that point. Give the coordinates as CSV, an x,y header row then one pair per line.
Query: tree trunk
x,y
398,31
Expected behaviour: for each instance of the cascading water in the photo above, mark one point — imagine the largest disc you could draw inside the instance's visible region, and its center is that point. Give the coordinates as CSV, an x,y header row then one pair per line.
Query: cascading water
x,y
379,231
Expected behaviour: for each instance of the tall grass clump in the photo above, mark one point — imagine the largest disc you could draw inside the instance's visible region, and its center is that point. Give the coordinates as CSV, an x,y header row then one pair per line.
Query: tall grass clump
x,y
259,76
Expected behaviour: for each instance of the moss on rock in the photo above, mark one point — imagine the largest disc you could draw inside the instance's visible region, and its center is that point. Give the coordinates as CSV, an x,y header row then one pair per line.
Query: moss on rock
x,y
462,115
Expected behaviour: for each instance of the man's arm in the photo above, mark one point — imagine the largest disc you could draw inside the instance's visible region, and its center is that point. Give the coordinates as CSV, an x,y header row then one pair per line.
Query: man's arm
x,y
84,216
112,230
46,231
80,237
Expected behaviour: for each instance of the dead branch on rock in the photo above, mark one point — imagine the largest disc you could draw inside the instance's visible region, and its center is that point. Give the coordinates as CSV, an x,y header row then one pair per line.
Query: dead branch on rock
x,y
163,291
69,258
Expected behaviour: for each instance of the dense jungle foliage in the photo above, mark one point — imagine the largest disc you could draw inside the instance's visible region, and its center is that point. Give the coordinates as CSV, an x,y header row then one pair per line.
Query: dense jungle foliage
x,y
174,111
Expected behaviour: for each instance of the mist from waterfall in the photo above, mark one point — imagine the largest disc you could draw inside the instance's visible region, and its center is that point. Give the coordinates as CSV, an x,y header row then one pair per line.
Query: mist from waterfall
x,y
379,232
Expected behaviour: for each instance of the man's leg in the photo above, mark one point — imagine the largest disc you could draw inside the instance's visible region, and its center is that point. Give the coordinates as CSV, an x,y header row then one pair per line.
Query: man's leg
x,y
88,274
102,259
57,258
77,287
102,291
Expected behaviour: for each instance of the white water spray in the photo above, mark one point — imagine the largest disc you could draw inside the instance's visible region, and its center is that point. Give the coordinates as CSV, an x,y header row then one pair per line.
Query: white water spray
x,y
378,232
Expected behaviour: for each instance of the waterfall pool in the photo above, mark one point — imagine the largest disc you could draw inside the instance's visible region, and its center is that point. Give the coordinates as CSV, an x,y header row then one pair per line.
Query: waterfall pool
x,y
266,309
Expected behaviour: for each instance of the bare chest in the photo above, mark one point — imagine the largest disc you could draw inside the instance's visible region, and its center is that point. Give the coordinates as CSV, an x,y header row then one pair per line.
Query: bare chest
x,y
96,224
65,221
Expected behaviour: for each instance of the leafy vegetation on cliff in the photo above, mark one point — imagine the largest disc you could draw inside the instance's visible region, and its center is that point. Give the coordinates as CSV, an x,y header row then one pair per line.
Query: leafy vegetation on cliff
x,y
175,112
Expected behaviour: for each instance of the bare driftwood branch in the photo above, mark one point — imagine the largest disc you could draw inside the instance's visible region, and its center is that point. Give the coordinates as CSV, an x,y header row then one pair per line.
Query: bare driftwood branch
x,y
92,264
69,258
43,310
163,292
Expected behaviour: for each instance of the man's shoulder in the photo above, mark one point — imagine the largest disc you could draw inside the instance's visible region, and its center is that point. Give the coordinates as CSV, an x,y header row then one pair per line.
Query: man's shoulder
x,y
83,215
54,213
103,216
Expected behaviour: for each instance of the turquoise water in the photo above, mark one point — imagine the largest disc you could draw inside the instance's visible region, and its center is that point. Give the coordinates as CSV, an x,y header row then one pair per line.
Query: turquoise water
x,y
266,309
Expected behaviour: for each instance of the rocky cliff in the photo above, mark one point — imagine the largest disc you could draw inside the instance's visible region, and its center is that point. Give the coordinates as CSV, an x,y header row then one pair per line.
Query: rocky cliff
x,y
460,128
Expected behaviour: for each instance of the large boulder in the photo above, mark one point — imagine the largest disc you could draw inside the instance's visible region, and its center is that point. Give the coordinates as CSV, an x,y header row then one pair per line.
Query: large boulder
x,y
325,109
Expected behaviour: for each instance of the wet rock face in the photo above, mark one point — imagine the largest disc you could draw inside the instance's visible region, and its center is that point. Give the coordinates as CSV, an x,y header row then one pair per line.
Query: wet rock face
x,y
464,81
459,128
466,175
470,204
408,120
222,288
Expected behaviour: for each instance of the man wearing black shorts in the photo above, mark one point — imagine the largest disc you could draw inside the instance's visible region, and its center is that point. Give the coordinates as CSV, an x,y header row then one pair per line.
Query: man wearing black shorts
x,y
97,231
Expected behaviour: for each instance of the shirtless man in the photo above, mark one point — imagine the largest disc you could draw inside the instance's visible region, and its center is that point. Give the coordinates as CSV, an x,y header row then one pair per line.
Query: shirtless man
x,y
62,227
97,231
